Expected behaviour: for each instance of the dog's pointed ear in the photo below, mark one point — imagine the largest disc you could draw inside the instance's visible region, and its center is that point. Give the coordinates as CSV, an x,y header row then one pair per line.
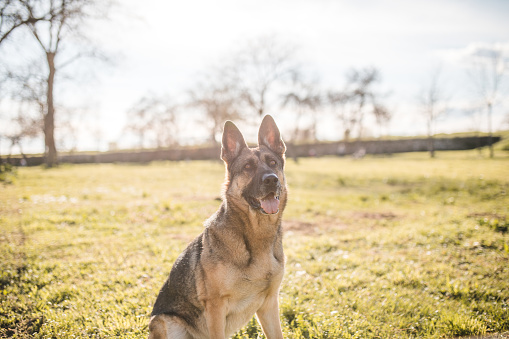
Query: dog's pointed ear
x,y
233,142
269,136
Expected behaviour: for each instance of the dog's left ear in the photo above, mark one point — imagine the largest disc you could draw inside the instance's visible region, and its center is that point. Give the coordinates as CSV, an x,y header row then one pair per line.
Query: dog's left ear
x,y
269,136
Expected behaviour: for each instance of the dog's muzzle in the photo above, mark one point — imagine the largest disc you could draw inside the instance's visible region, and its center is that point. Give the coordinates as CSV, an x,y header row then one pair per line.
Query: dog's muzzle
x,y
270,203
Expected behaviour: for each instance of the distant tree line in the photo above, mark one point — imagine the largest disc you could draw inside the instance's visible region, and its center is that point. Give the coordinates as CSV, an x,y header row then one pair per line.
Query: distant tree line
x,y
265,77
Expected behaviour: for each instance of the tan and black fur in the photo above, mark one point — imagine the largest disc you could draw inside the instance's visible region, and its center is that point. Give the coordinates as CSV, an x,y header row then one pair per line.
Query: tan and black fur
x,y
232,270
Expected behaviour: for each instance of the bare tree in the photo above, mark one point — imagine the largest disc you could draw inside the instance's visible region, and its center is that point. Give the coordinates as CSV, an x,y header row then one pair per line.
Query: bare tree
x,y
27,89
305,97
51,23
22,127
218,98
382,116
153,120
488,68
339,102
166,126
360,88
433,106
29,105
358,98
259,68
140,119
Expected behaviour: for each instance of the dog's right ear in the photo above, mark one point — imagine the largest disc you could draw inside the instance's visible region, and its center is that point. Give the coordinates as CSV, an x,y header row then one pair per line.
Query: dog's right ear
x,y
233,142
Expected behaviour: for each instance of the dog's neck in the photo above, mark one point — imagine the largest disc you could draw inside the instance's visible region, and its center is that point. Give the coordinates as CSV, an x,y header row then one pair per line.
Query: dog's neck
x,y
256,225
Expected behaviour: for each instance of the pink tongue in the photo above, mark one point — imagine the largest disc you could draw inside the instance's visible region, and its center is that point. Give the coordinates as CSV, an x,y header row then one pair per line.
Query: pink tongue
x,y
270,204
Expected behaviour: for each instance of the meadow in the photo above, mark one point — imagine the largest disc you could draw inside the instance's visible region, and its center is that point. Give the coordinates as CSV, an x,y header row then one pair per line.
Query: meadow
x,y
382,247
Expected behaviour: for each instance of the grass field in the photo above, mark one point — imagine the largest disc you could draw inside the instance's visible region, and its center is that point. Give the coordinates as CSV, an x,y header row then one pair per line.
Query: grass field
x,y
396,247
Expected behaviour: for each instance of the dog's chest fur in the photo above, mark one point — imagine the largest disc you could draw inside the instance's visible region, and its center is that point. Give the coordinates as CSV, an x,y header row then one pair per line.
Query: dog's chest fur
x,y
250,291
247,290
247,271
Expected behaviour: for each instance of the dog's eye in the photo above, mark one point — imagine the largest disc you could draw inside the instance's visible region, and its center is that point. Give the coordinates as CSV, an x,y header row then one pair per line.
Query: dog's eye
x,y
247,167
272,163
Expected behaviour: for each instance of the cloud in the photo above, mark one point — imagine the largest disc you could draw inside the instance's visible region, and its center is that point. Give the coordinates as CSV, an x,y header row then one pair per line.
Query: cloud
x,y
475,51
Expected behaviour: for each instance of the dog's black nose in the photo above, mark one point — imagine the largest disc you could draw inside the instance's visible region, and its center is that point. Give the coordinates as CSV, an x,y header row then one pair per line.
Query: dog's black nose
x,y
270,179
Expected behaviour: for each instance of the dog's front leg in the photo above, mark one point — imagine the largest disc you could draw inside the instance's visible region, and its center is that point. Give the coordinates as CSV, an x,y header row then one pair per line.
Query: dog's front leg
x,y
268,316
215,315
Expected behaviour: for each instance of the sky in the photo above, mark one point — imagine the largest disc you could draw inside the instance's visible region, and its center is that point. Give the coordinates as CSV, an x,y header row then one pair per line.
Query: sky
x,y
162,47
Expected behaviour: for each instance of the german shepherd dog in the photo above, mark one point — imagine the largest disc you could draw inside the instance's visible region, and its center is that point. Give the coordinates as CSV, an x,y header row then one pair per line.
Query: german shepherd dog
x,y
234,268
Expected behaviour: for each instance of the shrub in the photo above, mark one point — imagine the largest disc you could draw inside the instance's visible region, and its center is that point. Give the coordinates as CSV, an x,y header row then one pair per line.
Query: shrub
x,y
7,173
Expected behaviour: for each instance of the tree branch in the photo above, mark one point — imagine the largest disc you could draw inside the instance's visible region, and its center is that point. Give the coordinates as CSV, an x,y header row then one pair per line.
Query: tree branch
x,y
8,14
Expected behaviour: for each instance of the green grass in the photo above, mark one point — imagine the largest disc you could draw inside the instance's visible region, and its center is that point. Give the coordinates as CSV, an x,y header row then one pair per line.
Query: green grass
x,y
399,247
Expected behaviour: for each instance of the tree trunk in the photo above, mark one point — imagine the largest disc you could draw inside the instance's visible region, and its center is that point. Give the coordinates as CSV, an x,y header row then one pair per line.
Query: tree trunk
x,y
296,131
49,117
346,135
313,128
490,140
261,109
431,146
213,135
431,142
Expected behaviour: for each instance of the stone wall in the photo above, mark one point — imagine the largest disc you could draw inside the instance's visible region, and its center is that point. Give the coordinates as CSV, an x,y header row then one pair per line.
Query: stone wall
x,y
388,146
340,148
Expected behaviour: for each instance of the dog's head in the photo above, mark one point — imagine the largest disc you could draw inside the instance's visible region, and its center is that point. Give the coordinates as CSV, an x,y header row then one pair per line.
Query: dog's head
x,y
255,179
